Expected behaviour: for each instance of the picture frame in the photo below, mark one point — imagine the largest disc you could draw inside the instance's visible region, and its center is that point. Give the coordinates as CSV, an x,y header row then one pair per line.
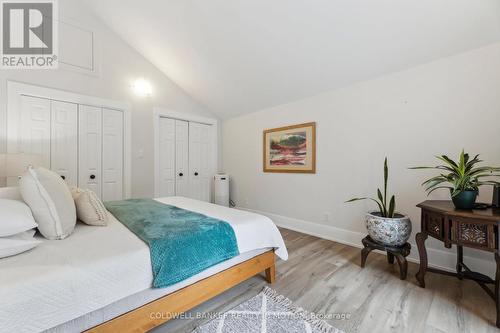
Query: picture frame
x,y
290,149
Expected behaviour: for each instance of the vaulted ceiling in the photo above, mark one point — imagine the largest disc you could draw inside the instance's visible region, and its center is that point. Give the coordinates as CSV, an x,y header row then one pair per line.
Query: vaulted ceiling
x,y
239,56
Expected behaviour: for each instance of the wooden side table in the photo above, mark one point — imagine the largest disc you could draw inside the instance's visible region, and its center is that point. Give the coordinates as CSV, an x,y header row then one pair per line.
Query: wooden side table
x,y
400,253
476,229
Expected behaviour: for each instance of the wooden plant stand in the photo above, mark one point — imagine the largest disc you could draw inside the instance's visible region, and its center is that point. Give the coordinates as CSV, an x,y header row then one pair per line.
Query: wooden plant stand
x,y
400,253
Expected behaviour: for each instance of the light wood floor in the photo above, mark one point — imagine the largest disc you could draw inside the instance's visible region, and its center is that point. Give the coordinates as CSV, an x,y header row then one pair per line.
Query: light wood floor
x,y
325,277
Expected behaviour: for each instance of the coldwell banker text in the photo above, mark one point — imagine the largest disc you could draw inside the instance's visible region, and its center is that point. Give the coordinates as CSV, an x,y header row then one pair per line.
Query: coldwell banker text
x,y
29,34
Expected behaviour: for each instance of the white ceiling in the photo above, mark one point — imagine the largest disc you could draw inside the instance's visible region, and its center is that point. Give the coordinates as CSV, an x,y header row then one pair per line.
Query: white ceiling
x,y
239,56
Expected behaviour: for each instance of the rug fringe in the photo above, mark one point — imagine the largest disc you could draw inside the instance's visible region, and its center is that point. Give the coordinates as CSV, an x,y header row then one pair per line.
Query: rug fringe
x,y
307,316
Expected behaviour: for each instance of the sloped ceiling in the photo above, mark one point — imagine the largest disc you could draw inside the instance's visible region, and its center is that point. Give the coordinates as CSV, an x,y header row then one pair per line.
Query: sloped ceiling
x,y
239,56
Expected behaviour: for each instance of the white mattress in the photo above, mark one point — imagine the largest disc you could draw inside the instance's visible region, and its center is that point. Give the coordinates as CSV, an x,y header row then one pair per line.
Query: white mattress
x,y
62,280
126,304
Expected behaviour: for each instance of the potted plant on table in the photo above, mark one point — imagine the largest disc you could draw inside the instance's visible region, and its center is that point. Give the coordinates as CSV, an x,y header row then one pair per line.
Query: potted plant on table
x,y
385,226
463,178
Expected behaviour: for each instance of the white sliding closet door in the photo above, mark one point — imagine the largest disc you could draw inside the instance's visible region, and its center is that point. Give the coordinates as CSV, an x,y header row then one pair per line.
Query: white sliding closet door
x,y
64,140
112,157
200,160
182,187
34,129
83,139
89,148
166,157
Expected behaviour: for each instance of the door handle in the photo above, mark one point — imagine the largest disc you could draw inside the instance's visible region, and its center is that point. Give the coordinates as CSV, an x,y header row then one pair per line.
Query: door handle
x,y
92,176
181,174
196,173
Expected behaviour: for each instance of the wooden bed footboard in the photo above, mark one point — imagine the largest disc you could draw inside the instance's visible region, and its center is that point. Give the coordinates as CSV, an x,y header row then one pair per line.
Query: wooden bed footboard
x,y
169,306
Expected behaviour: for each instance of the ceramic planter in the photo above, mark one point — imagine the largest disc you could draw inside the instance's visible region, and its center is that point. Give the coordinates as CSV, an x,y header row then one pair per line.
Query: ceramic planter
x,y
388,231
465,199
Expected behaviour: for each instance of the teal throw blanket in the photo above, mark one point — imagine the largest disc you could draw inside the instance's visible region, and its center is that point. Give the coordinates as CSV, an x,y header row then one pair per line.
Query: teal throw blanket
x,y
182,243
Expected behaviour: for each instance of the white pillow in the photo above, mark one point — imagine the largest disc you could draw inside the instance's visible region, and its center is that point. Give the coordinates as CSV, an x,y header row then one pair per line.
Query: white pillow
x,y
16,244
15,217
89,208
50,200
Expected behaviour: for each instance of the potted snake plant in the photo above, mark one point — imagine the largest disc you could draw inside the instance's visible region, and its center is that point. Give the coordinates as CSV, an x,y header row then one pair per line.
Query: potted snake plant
x,y
462,178
386,226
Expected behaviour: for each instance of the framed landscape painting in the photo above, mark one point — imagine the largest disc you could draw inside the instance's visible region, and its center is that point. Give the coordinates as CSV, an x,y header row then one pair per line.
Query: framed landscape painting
x,y
290,149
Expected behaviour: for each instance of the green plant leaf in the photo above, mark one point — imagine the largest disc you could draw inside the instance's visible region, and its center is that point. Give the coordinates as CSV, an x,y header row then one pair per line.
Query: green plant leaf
x,y
470,164
456,192
381,210
421,168
379,195
386,179
382,203
382,197
462,175
448,161
466,158
392,207
435,184
461,163
439,187
435,179
355,199
449,165
483,170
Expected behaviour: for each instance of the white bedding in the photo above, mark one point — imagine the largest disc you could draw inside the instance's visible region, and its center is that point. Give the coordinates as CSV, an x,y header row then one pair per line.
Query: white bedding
x,y
126,304
97,266
253,231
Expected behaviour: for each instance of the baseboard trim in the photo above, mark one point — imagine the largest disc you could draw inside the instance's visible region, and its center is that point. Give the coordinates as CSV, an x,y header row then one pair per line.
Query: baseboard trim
x,y
437,258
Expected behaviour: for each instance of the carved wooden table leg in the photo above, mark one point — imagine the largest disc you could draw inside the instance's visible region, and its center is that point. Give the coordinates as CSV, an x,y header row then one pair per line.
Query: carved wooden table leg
x,y
497,288
460,261
422,252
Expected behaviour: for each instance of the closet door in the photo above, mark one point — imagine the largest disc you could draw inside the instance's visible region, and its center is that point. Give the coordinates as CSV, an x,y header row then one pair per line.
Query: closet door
x,y
182,187
112,157
200,160
89,148
32,139
34,129
64,141
167,172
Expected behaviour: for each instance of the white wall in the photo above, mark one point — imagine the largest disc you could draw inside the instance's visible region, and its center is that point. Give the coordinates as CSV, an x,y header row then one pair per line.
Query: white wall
x,y
409,116
120,66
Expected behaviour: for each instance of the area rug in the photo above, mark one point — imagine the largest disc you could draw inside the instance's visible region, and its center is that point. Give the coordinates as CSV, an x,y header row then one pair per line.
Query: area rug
x,y
267,312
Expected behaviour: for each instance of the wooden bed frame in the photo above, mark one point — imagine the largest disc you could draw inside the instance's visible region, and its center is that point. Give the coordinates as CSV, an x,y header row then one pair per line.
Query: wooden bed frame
x,y
168,307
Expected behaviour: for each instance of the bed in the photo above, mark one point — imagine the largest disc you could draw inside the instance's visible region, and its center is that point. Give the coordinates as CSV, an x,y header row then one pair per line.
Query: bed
x,y
99,279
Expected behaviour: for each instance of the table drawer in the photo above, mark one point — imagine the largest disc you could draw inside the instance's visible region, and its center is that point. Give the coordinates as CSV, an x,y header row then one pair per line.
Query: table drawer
x,y
434,224
473,233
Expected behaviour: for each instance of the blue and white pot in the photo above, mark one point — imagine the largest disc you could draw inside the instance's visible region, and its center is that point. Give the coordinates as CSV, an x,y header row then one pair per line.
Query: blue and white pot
x,y
388,231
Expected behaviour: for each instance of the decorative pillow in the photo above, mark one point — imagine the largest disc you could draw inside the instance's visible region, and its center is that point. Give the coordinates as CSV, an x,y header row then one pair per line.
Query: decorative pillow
x,y
16,244
89,208
15,217
50,200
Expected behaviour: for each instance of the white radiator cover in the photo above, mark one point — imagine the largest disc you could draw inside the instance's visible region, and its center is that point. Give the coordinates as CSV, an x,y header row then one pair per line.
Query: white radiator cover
x,y
221,189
